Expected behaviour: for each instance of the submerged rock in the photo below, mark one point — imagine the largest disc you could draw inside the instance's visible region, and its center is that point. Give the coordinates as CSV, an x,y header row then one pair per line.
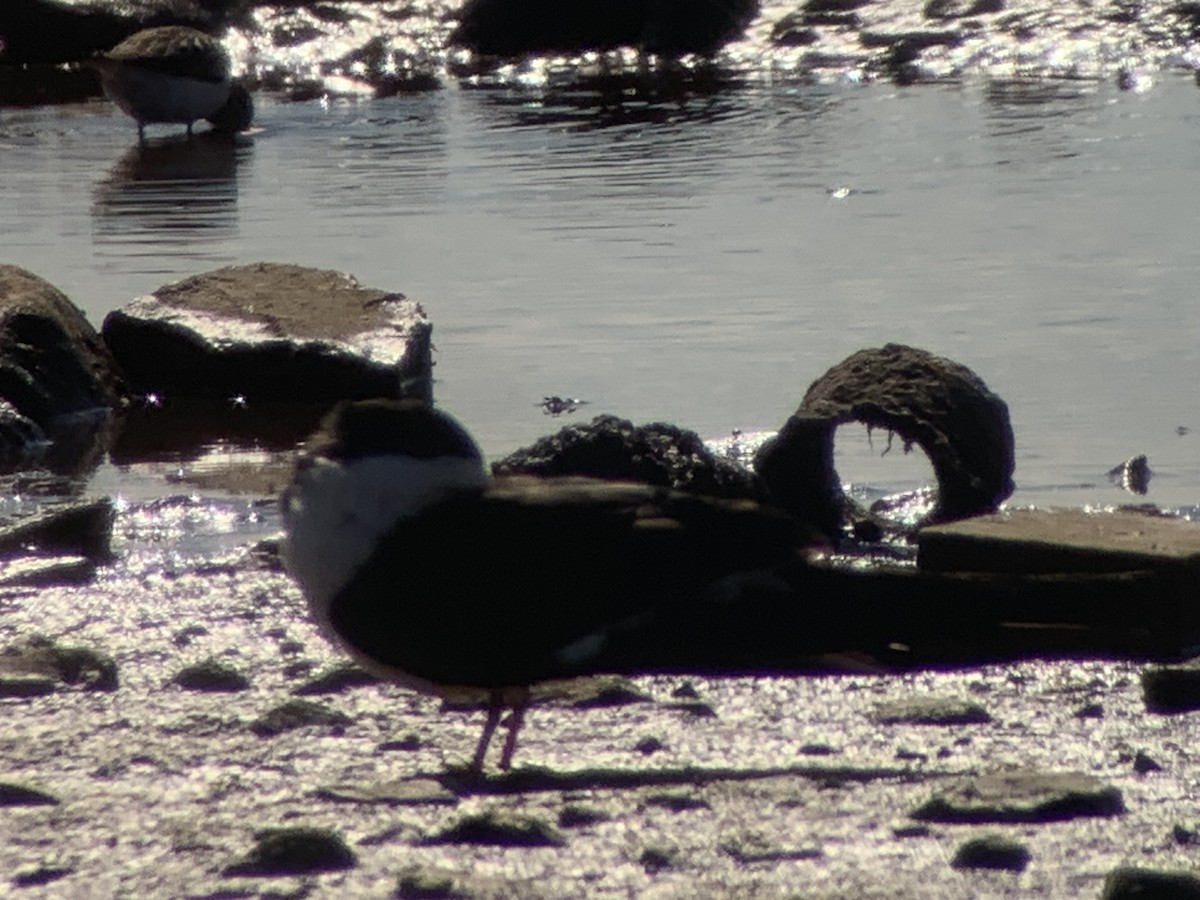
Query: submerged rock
x,y
1132,883
272,333
211,675
298,714
500,828
670,28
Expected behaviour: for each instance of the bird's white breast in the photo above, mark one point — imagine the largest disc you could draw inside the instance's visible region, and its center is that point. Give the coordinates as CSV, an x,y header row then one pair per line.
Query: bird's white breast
x,y
335,514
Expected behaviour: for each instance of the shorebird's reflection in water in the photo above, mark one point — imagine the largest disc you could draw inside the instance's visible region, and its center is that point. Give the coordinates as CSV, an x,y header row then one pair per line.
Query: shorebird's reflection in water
x,y
177,190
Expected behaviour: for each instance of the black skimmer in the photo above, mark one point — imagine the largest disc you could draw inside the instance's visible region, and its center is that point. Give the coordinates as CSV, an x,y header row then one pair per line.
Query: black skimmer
x,y
433,574
174,74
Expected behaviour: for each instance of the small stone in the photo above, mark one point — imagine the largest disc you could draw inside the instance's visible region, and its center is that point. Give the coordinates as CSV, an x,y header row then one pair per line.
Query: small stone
x,y
656,858
212,676
991,851
298,714
36,876
910,830
686,691
336,680
1185,834
817,750
13,794
501,828
931,711
1131,883
576,815
1143,763
677,801
408,743
648,745
294,851
184,636
1090,711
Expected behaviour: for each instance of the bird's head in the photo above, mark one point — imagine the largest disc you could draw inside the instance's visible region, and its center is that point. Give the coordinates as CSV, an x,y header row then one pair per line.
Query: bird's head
x,y
371,464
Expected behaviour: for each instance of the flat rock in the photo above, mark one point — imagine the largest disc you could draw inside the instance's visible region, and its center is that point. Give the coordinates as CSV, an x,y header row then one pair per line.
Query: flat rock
x,y
1052,541
43,657
401,792
81,527
1022,796
298,714
931,711
271,332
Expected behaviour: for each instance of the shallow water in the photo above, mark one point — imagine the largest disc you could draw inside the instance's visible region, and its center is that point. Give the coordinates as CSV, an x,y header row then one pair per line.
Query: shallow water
x,y
699,260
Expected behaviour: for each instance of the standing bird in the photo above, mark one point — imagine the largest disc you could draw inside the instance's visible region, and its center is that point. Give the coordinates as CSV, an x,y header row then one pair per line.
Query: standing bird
x,y
433,574
174,74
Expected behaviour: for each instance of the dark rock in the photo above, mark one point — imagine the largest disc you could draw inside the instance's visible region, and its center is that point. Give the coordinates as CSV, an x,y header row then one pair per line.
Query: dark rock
x,y
211,675
817,750
36,876
1144,763
407,743
336,680
576,815
648,745
696,709
1090,711
911,831
294,851
756,848
55,372
670,28
1130,883
676,801
500,828
1185,834
1172,689
931,711
613,448
41,656
1022,796
80,527
793,30
12,794
184,636
298,714
270,333
598,692
931,402
659,857
991,851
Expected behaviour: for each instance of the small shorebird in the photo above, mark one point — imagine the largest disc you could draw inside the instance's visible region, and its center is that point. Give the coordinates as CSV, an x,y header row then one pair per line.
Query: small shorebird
x,y
174,74
434,575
